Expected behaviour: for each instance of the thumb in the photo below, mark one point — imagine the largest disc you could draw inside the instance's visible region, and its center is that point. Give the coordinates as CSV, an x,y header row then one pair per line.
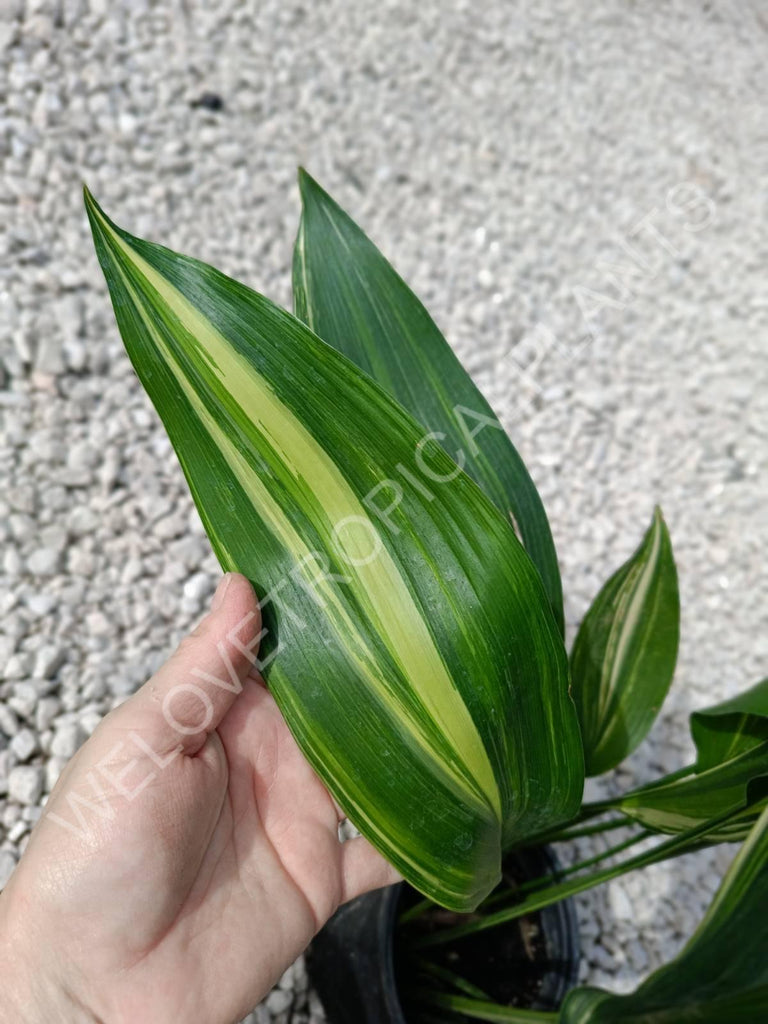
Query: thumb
x,y
188,697
363,868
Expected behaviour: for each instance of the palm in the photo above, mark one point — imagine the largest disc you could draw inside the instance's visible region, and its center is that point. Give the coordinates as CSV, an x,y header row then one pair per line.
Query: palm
x,y
197,893
266,871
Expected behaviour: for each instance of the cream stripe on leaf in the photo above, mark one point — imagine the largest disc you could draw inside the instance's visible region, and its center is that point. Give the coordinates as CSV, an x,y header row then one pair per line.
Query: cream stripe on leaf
x,y
427,685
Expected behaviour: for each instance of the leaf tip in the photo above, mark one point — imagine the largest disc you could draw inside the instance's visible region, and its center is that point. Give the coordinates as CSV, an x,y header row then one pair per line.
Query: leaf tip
x,y
96,215
309,188
305,179
659,525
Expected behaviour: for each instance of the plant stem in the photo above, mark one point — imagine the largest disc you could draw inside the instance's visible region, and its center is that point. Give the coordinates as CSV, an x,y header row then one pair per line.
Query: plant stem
x,y
452,979
535,884
415,911
591,830
610,852
601,806
492,1012
553,894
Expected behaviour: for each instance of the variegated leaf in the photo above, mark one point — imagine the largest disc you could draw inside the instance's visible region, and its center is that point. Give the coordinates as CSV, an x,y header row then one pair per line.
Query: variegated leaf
x,y
679,803
409,641
731,770
624,654
731,728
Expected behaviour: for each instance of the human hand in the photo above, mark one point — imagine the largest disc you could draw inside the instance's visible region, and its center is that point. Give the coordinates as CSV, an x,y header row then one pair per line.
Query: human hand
x,y
174,875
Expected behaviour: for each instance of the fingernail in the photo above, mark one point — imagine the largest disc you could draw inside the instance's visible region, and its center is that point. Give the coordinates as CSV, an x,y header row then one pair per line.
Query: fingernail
x,y
218,597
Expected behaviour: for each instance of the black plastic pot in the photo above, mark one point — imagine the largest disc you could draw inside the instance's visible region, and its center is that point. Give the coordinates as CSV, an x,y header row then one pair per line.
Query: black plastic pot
x,y
352,961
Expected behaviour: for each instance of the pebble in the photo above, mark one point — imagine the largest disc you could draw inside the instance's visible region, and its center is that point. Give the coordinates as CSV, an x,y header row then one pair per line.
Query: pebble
x,y
49,359
83,456
48,660
98,624
198,587
24,744
54,766
16,831
9,723
24,700
620,903
47,709
67,739
82,521
637,956
41,604
89,721
10,815
278,1001
12,562
7,762
7,647
18,666
31,814
25,784
44,561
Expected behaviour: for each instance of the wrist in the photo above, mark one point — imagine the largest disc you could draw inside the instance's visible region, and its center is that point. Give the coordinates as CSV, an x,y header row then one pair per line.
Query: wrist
x,y
31,990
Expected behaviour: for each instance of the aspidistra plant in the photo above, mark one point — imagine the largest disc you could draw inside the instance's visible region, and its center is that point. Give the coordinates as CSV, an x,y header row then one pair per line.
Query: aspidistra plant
x,y
413,643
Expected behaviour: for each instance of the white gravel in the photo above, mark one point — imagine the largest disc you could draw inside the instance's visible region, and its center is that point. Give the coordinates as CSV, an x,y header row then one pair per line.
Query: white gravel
x,y
501,156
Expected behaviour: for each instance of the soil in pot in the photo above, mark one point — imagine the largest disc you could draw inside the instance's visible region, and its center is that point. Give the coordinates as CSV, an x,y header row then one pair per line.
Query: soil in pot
x,y
512,964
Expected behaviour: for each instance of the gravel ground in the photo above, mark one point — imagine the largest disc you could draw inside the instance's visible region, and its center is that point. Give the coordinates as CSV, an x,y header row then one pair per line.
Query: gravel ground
x,y
502,159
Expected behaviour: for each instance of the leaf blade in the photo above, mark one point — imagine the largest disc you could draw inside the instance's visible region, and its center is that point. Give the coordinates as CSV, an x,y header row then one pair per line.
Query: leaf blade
x,y
261,413
731,768
732,727
684,803
349,294
624,654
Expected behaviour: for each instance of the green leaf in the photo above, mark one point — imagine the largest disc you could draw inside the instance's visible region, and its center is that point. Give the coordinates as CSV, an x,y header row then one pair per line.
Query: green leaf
x,y
624,655
682,803
409,644
732,767
721,976
348,293
727,730
484,1010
